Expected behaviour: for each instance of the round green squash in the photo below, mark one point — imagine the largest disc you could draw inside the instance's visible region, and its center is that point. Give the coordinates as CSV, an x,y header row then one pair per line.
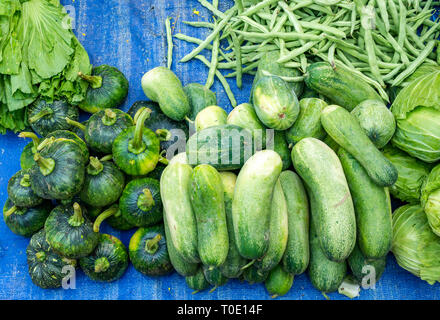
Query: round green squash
x,y
45,117
197,282
72,136
107,262
20,191
141,203
108,89
45,265
25,221
27,155
148,251
69,232
114,218
275,103
59,170
103,183
199,98
136,151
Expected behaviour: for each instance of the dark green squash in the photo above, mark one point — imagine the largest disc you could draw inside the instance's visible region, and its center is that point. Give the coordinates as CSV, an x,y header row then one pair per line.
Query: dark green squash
x,y
20,191
148,251
199,98
45,265
114,218
91,212
141,203
136,150
25,221
69,232
254,275
27,155
157,173
59,170
158,122
198,281
72,136
108,261
103,183
108,89
45,117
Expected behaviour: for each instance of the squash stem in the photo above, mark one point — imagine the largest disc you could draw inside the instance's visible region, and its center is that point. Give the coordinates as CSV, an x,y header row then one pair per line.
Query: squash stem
x,y
46,165
94,81
25,181
109,117
75,124
43,113
152,245
11,211
101,265
189,120
41,256
137,145
145,200
103,216
163,160
77,218
213,289
163,134
33,136
106,158
248,265
95,166
46,142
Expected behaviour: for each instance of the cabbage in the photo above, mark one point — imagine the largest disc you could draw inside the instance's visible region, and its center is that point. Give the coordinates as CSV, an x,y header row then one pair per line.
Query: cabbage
x,y
431,199
415,246
412,175
417,111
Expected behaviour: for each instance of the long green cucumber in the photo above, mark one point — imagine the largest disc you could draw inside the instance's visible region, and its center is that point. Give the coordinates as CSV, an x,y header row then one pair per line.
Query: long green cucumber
x,y
279,282
372,207
232,267
254,275
252,203
208,202
282,148
174,185
343,127
297,255
322,172
198,281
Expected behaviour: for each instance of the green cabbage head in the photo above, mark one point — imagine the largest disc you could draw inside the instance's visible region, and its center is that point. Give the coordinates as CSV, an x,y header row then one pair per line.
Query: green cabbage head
x,y
415,246
430,199
417,112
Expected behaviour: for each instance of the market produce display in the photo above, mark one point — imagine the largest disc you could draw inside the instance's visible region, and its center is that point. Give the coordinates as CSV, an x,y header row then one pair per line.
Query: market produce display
x,y
299,179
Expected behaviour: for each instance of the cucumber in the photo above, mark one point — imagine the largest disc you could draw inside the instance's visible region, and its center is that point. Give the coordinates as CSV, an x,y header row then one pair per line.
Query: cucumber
x,y
232,267
174,191
279,282
372,205
179,158
225,147
208,202
362,267
346,131
308,123
325,275
209,117
181,266
322,172
331,143
282,148
297,255
340,85
199,98
198,281
278,231
275,103
161,85
252,203
214,276
254,275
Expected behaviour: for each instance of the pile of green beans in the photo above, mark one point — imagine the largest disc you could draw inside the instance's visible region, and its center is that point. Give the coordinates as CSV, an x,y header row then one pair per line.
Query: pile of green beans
x,y
384,41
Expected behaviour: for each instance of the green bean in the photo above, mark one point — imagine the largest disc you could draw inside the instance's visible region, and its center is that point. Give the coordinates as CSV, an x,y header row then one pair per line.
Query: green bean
x,y
212,8
169,41
246,69
239,67
415,38
341,55
331,55
254,9
189,39
214,62
239,4
384,13
199,24
298,51
273,19
254,24
293,65
429,33
393,73
283,35
438,52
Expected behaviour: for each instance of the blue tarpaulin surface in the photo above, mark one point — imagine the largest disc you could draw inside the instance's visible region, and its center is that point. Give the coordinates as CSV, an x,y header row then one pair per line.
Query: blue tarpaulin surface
x,y
131,36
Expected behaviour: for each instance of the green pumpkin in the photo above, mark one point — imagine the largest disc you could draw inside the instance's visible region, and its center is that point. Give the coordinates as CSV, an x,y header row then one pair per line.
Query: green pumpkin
x,y
108,89
108,262
71,136
197,282
148,251
157,173
136,150
103,183
27,155
45,265
45,117
59,170
158,122
114,218
25,221
20,191
69,232
140,203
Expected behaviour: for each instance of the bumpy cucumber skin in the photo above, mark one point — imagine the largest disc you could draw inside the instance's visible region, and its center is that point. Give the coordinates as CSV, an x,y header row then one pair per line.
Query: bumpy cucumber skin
x,y
278,231
339,85
210,117
207,199
182,267
372,206
322,172
197,281
346,131
325,275
174,185
214,276
357,261
252,203
199,98
232,267
282,148
254,275
279,282
297,255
